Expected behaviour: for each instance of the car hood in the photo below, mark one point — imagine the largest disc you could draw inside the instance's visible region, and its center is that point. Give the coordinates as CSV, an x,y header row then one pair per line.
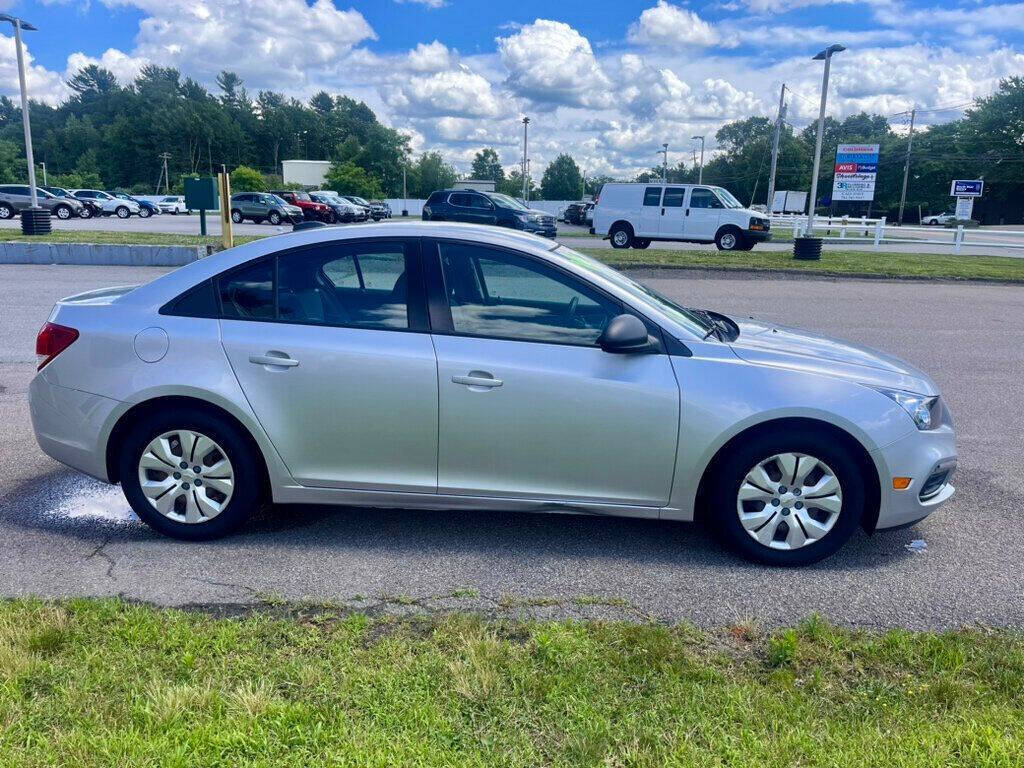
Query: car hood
x,y
779,346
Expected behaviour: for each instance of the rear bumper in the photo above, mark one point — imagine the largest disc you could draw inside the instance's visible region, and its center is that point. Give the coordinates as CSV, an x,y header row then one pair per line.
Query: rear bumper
x,y
919,456
72,426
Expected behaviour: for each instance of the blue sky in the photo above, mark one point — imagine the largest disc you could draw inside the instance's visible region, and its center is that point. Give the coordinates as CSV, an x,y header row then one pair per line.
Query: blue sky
x,y
608,81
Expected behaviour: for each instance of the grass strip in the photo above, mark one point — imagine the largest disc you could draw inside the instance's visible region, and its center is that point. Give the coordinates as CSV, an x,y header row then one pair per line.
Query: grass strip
x,y
100,683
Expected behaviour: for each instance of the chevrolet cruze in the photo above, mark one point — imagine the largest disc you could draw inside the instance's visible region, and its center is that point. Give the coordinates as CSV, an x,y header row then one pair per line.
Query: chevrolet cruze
x,y
439,365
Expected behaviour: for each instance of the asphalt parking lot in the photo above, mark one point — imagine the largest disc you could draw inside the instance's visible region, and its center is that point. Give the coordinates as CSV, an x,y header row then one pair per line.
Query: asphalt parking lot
x,y
66,535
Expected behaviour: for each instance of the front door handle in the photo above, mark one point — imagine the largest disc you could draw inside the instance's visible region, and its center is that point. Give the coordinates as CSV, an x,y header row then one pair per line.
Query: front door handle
x,y
274,358
478,379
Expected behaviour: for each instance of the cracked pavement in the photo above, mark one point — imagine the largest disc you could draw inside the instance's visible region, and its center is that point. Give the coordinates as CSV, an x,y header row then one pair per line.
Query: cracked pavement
x,y
67,535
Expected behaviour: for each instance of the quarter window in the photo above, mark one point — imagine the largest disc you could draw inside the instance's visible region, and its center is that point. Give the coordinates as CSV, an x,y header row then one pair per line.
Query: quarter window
x,y
674,197
652,196
503,295
248,293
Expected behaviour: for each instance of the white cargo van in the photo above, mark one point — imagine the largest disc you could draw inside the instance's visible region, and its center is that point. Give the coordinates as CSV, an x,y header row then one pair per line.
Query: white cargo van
x,y
632,215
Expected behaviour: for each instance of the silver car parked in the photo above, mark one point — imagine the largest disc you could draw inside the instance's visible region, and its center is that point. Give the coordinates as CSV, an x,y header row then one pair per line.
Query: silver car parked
x,y
18,197
440,365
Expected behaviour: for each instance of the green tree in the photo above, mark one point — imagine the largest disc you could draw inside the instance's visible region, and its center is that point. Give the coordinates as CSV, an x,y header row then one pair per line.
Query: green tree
x,y
246,179
13,168
562,179
487,165
513,186
429,174
347,178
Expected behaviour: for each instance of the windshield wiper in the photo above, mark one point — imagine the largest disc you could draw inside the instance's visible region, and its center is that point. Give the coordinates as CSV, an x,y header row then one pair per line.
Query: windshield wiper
x,y
715,328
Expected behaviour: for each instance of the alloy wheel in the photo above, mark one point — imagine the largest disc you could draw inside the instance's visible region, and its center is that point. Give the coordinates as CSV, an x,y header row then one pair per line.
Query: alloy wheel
x,y
789,500
186,476
620,238
63,212
728,241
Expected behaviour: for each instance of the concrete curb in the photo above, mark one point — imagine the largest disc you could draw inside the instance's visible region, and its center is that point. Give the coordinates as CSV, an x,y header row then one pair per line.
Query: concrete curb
x,y
97,254
781,273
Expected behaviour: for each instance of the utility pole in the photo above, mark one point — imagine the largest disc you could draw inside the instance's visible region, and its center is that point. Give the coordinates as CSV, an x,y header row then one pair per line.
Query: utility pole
x,y
700,173
44,173
775,147
664,162
405,193
526,123
165,156
906,165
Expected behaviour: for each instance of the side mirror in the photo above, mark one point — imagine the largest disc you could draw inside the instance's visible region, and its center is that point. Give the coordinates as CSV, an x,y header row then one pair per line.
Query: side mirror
x,y
625,334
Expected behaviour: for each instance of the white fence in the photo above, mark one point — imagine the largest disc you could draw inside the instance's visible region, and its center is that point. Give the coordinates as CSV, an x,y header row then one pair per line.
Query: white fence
x,y
881,232
415,207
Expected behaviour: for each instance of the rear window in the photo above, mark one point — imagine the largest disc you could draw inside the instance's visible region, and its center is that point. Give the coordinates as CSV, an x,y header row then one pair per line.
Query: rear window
x,y
652,196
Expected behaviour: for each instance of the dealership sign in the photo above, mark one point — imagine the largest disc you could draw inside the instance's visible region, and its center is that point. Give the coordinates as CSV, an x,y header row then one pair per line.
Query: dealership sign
x,y
856,171
966,188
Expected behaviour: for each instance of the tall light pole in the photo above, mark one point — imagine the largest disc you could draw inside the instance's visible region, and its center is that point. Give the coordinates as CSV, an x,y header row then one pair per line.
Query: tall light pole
x,y
700,173
826,56
37,221
526,123
906,166
664,162
43,166
405,192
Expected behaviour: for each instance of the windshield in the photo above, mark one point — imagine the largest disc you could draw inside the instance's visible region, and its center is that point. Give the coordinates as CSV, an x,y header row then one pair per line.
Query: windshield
x,y
685,317
103,196
505,200
301,196
726,197
170,200
359,200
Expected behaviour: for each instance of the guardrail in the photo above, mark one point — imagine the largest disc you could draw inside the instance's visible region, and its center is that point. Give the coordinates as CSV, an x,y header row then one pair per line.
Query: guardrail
x,y
880,231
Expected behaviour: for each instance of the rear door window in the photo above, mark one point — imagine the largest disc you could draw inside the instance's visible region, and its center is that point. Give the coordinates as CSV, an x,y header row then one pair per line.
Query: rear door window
x,y
674,197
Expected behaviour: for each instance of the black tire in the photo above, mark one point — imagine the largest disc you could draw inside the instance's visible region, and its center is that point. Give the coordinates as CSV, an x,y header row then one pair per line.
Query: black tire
x,y
641,242
145,213
730,474
236,217
621,235
122,212
729,239
247,494
174,212
6,211
274,218
63,212
85,213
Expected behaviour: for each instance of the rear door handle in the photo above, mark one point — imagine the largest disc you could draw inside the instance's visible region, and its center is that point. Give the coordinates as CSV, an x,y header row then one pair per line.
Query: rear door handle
x,y
279,359
478,380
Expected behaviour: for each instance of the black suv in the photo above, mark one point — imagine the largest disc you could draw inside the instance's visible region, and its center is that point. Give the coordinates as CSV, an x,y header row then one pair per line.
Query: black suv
x,y
476,207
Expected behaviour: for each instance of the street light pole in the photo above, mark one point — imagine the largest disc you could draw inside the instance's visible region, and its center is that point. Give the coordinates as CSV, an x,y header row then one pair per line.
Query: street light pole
x,y
38,222
43,166
775,148
700,172
906,166
526,123
405,193
664,162
825,55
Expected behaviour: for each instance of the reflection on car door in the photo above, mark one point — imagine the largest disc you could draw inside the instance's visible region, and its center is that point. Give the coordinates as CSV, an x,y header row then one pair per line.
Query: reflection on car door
x,y
530,406
704,210
338,369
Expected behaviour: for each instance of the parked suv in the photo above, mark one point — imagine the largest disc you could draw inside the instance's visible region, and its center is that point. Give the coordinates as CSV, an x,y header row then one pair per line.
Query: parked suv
x,y
146,208
89,208
362,204
381,210
108,204
477,207
172,204
635,214
311,209
17,197
342,210
263,206
573,213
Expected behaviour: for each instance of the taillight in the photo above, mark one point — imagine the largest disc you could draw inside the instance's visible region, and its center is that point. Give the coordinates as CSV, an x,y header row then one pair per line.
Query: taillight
x,y
51,341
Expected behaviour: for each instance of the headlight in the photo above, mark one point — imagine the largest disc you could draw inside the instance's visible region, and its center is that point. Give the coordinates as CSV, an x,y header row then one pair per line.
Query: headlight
x,y
920,408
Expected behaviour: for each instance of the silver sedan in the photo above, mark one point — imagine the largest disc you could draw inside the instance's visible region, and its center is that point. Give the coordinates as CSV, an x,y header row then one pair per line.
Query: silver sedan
x,y
438,365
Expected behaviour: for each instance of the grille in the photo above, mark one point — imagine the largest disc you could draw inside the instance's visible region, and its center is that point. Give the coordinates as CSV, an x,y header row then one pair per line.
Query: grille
x,y
934,484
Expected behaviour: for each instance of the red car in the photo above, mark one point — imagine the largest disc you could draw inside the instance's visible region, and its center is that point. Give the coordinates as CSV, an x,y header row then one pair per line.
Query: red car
x,y
311,210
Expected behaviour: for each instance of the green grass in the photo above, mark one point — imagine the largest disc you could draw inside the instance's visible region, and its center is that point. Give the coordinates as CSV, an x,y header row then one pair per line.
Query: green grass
x,y
104,683
919,265
105,237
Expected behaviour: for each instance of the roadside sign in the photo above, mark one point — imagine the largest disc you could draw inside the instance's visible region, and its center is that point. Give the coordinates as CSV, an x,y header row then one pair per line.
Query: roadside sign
x,y
856,171
964,208
966,188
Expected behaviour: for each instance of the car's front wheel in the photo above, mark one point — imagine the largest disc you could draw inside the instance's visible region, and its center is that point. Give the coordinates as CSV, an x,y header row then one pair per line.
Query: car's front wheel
x,y
123,212
188,475
729,239
274,218
145,213
85,213
6,211
788,498
63,212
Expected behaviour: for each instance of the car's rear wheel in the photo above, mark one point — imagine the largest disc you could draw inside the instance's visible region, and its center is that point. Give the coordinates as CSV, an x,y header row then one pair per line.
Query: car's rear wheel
x,y
63,212
641,242
788,498
274,218
6,211
122,212
191,476
621,235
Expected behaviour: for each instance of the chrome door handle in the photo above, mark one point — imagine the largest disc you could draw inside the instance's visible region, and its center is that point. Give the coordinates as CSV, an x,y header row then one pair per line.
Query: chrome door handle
x,y
477,381
279,359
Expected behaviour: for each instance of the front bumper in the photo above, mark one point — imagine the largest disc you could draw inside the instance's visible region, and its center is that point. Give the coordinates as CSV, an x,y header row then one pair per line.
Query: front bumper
x,y
919,455
758,235
71,426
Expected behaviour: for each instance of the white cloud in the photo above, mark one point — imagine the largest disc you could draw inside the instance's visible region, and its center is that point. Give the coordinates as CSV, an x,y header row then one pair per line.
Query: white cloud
x,y
669,25
550,63
426,3
125,68
41,83
431,57
456,92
